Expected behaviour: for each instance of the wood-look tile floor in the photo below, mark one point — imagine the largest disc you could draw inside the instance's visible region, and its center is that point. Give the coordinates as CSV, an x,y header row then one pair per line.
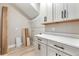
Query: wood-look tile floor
x,y
23,51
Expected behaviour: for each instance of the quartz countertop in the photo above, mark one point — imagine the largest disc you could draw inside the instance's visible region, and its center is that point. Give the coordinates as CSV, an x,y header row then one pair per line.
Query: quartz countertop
x,y
74,42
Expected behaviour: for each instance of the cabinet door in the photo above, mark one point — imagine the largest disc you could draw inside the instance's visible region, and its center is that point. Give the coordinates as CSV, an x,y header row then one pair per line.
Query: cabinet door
x,y
51,52
58,11
42,49
61,54
73,10
54,52
65,11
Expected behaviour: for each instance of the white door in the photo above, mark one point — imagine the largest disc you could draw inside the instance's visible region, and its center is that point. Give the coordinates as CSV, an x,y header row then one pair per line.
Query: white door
x,y
58,12
73,11
42,49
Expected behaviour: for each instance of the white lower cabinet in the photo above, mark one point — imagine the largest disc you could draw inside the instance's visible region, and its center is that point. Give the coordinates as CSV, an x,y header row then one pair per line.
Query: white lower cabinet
x,y
63,54
51,51
42,49
59,53
52,48
54,52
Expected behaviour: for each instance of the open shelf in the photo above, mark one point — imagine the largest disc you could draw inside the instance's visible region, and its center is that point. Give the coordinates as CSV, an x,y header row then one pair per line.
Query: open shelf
x,y
59,22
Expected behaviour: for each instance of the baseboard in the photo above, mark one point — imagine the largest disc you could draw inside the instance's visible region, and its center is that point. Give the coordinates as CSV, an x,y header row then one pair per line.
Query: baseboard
x,y
11,46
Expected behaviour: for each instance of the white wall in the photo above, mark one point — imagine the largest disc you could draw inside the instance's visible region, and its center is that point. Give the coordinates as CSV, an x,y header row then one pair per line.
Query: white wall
x,y
16,21
36,24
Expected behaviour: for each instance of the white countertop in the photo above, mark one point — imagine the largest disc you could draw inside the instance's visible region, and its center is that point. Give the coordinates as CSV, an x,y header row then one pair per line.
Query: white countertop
x,y
74,42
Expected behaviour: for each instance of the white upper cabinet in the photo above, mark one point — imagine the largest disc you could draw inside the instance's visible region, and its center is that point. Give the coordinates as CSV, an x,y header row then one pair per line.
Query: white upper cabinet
x,y
65,11
58,11
73,11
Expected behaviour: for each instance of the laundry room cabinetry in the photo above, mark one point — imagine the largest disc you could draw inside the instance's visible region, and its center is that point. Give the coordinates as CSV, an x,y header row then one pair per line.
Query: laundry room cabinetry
x,y
56,49
51,45
42,47
73,10
65,11
45,48
59,11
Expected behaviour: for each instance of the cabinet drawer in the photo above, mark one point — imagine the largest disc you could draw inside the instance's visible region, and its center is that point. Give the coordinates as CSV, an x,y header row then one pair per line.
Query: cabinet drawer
x,y
71,50
59,53
42,40
51,51
55,44
55,52
64,48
